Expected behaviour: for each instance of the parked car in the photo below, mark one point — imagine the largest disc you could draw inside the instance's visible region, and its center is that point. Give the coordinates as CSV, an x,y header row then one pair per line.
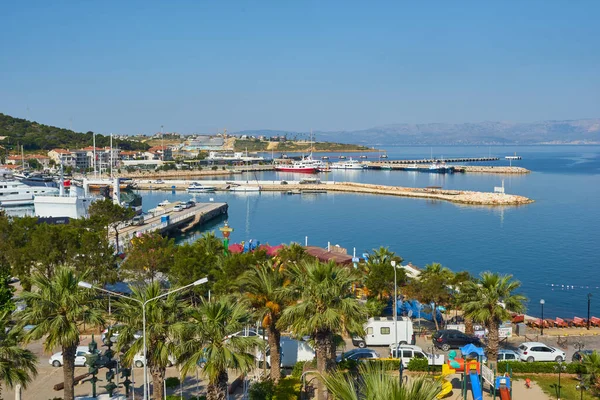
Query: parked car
x,y
115,329
250,332
138,360
507,355
159,182
178,207
137,220
57,358
357,355
190,203
407,352
536,351
578,355
447,339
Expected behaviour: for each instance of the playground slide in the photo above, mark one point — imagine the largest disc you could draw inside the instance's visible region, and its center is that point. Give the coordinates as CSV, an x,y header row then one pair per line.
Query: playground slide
x,y
446,389
504,394
475,386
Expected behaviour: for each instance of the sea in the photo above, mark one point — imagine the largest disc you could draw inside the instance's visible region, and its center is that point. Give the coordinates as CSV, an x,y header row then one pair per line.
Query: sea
x,y
551,246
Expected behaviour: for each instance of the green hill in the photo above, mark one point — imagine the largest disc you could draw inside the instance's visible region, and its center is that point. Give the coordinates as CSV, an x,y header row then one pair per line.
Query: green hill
x,y
34,136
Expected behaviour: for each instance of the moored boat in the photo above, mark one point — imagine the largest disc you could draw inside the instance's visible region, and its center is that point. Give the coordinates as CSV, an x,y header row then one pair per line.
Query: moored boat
x,y
196,187
350,164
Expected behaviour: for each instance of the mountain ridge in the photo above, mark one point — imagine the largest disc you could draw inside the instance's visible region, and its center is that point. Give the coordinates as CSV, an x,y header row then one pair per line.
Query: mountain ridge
x,y
576,131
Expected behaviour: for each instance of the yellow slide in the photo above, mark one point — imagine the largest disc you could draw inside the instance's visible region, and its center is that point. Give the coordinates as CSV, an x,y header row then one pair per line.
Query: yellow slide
x,y
446,385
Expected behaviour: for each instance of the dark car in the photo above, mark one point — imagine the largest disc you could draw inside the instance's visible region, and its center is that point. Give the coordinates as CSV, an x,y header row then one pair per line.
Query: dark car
x,y
447,339
357,355
578,355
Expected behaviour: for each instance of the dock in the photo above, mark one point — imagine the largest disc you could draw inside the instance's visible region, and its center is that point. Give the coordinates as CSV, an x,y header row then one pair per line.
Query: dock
x,y
167,220
432,160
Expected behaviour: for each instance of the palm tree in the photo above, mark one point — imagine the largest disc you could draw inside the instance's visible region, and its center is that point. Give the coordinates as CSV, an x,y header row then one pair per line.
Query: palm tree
x,y
207,342
162,315
325,307
591,362
17,365
432,287
262,286
376,382
56,308
380,274
490,300
459,281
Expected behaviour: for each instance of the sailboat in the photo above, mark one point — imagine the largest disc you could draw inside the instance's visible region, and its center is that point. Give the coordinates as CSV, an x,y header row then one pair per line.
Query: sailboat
x,y
247,187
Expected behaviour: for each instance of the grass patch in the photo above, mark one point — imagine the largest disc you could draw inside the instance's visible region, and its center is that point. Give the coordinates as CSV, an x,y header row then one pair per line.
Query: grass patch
x,y
568,390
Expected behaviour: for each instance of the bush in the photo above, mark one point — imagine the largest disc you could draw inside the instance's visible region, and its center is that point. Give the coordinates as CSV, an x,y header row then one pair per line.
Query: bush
x,y
214,168
539,367
298,369
172,382
262,390
287,389
422,364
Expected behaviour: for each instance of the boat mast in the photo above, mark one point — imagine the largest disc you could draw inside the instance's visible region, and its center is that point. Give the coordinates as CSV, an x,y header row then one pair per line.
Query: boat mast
x,y
94,150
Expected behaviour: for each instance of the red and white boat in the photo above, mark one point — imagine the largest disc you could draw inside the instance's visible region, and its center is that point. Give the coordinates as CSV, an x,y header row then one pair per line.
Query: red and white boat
x,y
306,165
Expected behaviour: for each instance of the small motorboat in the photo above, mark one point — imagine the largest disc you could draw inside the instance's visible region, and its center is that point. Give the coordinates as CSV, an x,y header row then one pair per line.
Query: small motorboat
x,y
324,158
363,157
342,157
196,187
164,203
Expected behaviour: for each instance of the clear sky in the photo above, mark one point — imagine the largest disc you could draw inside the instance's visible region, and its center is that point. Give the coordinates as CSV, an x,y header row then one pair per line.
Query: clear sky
x,y
200,66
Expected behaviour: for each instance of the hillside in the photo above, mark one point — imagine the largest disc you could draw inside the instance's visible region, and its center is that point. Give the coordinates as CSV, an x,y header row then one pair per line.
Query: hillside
x,y
34,136
583,131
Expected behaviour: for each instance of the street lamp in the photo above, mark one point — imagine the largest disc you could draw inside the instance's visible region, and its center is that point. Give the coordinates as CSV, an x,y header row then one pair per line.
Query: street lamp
x,y
542,302
401,369
393,263
559,367
87,285
589,296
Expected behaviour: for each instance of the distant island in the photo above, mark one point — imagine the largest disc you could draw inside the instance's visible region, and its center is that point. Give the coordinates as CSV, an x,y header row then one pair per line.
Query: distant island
x,y
581,131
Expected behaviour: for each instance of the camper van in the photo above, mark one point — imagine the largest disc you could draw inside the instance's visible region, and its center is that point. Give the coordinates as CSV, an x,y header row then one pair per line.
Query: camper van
x,y
292,351
380,331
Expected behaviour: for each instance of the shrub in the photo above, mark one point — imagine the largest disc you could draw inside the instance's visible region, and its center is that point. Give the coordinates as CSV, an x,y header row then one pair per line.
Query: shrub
x,y
262,390
172,382
287,389
539,367
298,369
214,168
422,364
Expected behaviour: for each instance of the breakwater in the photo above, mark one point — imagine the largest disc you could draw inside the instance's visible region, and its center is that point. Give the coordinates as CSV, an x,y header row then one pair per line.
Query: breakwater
x,y
455,196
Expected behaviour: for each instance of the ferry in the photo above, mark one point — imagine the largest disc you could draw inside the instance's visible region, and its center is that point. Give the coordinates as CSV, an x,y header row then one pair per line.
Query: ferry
x,y
16,193
350,164
196,187
306,165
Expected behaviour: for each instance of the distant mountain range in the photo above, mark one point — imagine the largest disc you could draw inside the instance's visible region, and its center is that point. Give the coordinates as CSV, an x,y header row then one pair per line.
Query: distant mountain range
x,y
581,131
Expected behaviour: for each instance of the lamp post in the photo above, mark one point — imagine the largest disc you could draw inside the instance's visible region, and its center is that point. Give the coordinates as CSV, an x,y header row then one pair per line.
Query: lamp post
x,y
542,302
401,368
559,367
393,263
143,303
589,296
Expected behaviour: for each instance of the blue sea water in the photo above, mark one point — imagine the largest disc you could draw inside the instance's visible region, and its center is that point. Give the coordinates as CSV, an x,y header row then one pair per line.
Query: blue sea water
x,y
551,246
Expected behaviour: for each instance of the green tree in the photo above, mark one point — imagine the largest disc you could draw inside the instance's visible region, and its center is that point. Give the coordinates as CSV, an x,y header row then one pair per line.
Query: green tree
x,y
34,164
490,300
591,362
17,364
432,287
459,281
380,273
376,382
207,342
56,308
162,316
194,261
108,214
325,307
262,286
149,255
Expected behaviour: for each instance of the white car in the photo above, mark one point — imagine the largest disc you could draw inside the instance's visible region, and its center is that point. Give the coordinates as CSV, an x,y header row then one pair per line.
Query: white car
x,y
138,360
250,332
178,208
537,351
115,334
407,352
57,358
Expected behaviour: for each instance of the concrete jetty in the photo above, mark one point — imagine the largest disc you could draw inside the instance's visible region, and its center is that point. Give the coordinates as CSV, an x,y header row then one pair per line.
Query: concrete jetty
x,y
433,160
482,169
165,220
455,196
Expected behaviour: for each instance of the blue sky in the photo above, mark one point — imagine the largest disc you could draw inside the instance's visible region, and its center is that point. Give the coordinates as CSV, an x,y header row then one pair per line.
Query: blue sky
x,y
201,66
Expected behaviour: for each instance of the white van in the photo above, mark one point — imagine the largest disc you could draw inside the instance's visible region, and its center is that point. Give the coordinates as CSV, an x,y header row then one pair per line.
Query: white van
x,y
292,351
380,331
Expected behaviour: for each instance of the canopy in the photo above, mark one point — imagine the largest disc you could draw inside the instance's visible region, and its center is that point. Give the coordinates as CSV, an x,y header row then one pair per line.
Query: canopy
x,y
470,349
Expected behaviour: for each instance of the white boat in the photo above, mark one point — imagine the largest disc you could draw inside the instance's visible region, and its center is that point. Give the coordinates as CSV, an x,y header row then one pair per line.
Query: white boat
x,y
412,167
196,187
307,165
245,188
16,193
164,203
350,164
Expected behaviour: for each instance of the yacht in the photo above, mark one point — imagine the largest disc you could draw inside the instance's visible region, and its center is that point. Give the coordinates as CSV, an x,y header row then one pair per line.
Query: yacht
x,y
196,187
245,188
350,164
16,193
411,167
306,165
